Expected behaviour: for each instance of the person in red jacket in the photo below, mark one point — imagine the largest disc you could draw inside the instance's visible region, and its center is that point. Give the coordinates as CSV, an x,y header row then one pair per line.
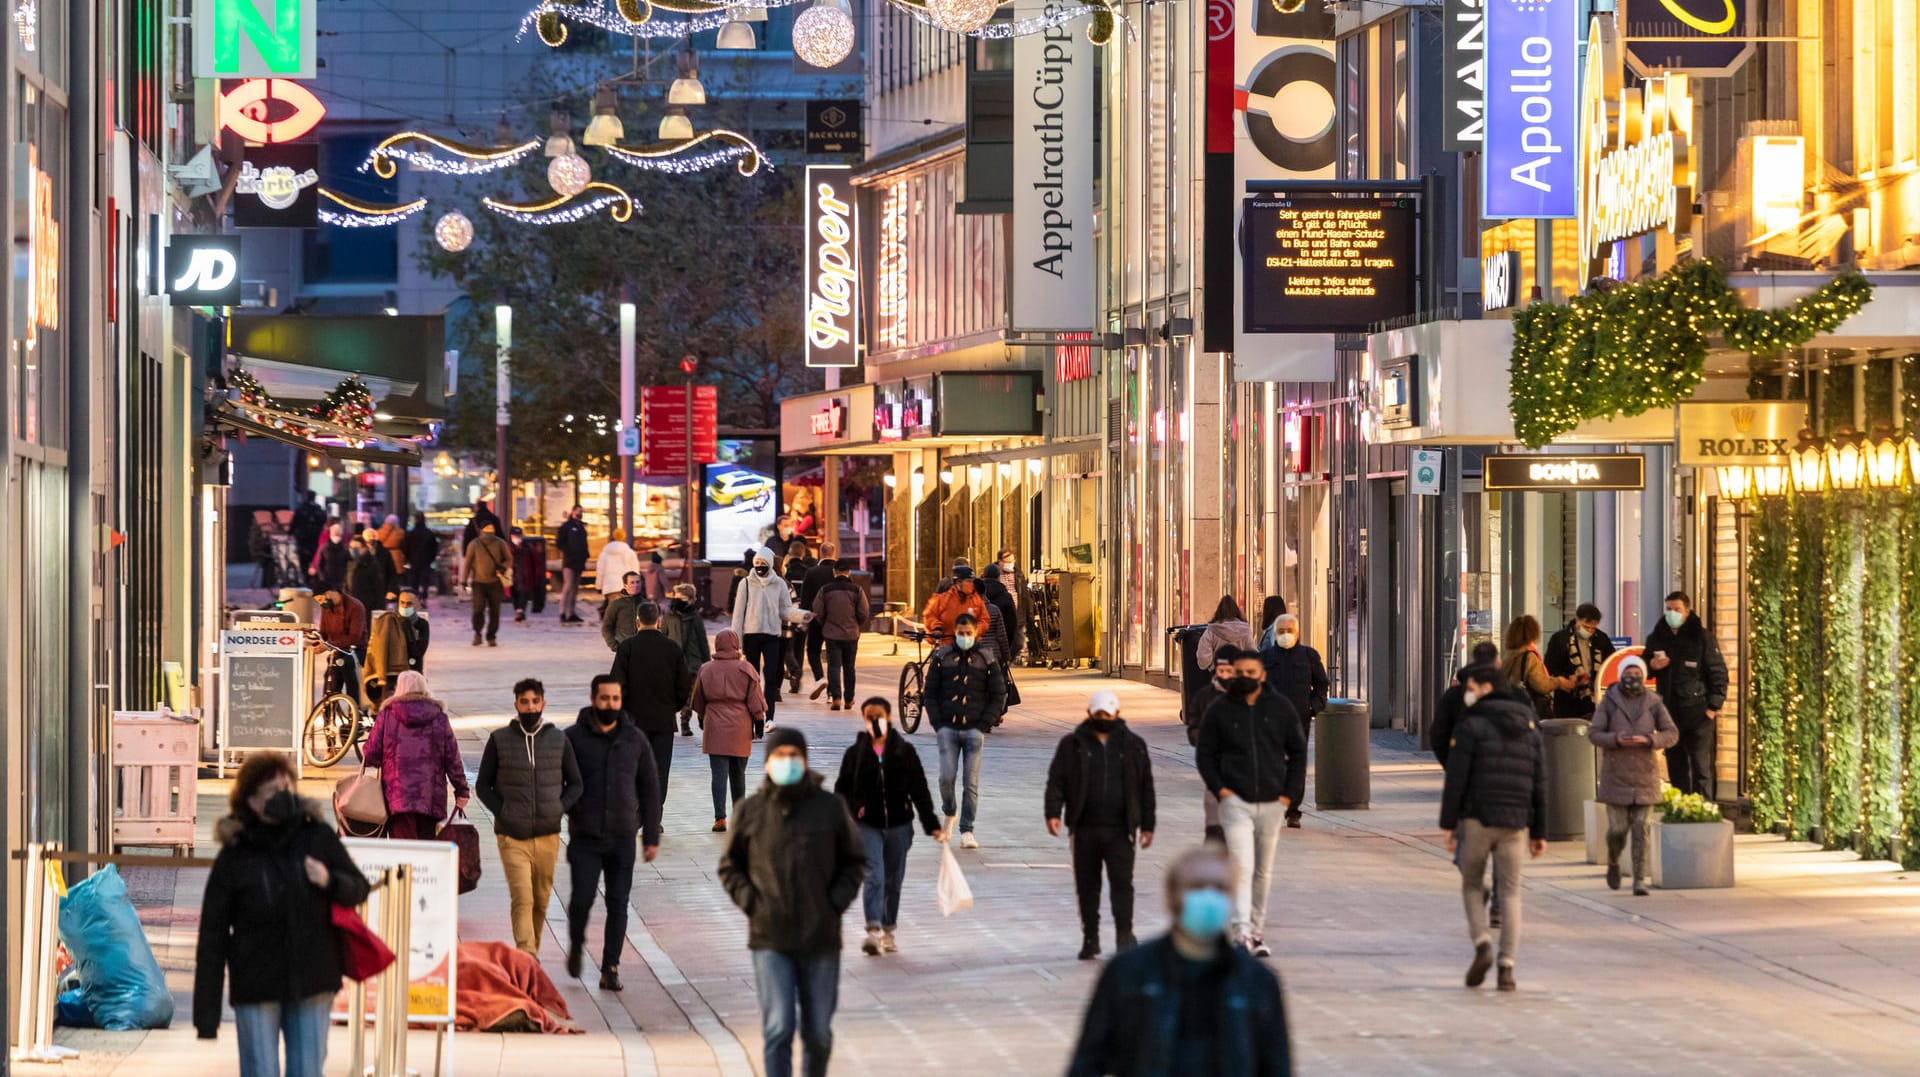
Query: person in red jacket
x,y
945,607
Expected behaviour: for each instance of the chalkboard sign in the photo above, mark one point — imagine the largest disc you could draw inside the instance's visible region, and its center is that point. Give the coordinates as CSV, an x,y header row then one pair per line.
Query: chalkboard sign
x,y
263,680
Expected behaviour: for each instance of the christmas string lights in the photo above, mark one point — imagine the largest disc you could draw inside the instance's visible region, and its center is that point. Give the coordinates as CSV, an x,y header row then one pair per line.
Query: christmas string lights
x,y
431,153
1766,568
724,146
633,18
1099,29
1840,717
1909,666
595,197
353,213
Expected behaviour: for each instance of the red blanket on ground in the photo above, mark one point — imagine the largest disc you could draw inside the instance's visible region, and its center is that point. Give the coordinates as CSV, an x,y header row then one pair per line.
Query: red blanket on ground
x,y
504,989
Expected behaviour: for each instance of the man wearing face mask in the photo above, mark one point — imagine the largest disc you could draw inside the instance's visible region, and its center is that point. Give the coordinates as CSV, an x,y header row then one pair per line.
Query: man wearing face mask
x,y
1009,577
1684,660
620,800
884,785
617,625
417,630
1188,1002
793,863
964,695
1101,785
1295,671
1251,745
529,779
1578,651
761,611
1629,725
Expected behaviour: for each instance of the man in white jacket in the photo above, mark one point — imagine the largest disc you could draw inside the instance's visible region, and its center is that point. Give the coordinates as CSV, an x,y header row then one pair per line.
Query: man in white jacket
x,y
761,609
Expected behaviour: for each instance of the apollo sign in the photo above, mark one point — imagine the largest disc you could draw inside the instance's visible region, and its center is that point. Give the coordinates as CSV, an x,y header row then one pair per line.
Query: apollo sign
x,y
1532,59
833,269
1635,170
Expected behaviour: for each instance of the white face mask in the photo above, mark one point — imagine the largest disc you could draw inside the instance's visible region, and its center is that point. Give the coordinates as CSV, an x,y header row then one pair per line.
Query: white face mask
x,y
1471,697
1286,640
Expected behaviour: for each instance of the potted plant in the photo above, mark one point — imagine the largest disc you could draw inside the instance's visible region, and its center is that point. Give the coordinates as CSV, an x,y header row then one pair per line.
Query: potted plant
x,y
1692,844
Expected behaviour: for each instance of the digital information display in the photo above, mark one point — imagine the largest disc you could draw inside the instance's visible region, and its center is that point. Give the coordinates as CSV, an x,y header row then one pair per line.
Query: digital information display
x,y
1327,265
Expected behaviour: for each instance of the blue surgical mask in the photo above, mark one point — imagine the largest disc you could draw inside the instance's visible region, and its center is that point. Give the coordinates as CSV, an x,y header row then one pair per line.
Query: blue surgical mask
x,y
1204,913
1675,618
965,643
786,770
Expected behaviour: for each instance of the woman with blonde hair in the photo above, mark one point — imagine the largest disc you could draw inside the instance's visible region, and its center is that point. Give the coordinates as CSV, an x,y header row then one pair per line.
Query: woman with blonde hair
x,y
413,745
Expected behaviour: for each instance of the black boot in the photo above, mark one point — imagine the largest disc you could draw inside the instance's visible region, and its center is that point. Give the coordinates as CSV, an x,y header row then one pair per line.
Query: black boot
x,y
610,979
574,957
1090,948
686,726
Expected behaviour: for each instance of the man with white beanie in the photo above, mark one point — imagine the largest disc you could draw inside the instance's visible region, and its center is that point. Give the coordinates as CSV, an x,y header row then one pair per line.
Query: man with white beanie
x,y
1101,785
761,610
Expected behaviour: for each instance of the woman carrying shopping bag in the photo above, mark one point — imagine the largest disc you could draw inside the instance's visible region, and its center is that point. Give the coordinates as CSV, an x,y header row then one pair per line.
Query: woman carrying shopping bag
x,y
267,922
731,703
413,746
883,783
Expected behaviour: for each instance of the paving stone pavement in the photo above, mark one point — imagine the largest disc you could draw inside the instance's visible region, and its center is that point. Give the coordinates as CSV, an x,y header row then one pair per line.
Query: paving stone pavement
x,y
1812,964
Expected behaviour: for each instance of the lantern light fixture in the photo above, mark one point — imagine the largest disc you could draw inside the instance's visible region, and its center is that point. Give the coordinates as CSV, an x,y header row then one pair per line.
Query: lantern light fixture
x,y
1846,463
737,34
1807,464
1772,480
559,138
687,89
1735,482
675,126
605,128
1884,459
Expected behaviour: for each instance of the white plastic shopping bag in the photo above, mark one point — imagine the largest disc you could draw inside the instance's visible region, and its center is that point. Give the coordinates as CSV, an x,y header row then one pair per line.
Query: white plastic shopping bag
x,y
955,894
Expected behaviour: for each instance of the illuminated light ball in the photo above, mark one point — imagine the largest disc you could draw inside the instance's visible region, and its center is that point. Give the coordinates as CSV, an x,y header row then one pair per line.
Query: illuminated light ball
x,y
823,35
962,16
453,232
569,174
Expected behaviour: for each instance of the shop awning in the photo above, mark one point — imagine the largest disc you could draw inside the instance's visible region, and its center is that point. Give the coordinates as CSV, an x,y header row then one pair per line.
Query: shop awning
x,y
1057,447
370,453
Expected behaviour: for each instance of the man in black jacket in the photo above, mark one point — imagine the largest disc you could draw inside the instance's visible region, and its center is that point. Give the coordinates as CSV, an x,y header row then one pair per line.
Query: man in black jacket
x,y
1494,801
1296,672
620,800
819,575
572,540
1208,694
1453,702
1250,745
793,864
965,694
1692,678
1188,1002
1578,651
528,779
654,685
1101,784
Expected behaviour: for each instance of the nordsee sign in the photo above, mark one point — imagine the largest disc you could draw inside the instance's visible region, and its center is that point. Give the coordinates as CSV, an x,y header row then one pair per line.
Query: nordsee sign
x,y
832,268
247,39
1532,133
1053,124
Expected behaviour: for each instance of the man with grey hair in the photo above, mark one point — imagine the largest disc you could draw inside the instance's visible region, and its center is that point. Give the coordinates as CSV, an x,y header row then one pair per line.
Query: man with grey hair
x,y
1296,672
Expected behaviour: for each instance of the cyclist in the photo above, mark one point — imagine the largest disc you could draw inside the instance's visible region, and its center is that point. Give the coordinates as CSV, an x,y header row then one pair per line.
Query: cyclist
x,y
945,607
343,625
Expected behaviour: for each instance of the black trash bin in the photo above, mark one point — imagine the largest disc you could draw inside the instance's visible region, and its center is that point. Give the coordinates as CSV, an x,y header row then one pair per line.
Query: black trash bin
x,y
1342,746
1570,777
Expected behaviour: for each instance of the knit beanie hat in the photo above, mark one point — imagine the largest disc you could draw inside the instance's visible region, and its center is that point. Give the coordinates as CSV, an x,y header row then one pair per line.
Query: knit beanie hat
x,y
782,736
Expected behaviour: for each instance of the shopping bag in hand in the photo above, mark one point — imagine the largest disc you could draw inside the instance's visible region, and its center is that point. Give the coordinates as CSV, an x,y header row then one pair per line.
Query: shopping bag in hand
x,y
360,799
464,837
955,894
363,955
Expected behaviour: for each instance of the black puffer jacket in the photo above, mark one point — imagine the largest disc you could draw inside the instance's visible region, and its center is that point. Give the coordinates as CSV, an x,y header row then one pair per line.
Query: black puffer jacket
x,y
885,790
793,864
1132,1027
619,784
263,924
572,540
1258,749
528,782
964,689
1298,674
1497,769
654,681
1695,680
1071,772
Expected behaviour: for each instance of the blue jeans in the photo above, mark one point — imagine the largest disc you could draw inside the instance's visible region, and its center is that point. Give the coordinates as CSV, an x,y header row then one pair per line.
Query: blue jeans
x,y
810,983
880,893
259,1026
960,747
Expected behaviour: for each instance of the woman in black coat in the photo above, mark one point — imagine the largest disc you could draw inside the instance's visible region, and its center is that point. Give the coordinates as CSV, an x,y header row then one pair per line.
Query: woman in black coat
x,y
266,922
884,786
421,548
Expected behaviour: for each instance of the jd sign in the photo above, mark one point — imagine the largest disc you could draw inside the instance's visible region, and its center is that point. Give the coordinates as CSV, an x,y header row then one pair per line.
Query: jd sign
x,y
253,39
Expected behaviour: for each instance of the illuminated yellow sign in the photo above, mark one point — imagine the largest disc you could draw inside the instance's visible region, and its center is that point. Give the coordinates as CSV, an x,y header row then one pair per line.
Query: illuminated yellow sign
x,y
890,270
1720,26
1635,162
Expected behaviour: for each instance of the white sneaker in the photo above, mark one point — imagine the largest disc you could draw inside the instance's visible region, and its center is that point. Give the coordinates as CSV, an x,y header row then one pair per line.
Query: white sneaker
x,y
968,841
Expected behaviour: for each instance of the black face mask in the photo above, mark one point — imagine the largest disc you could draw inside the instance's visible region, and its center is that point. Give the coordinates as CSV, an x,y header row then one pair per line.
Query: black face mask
x,y
281,808
1102,725
1241,686
678,605
531,722
761,570
606,717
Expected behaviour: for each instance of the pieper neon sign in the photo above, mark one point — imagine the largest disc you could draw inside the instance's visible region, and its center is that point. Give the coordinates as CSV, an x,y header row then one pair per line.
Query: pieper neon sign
x,y
1635,165
833,274
269,111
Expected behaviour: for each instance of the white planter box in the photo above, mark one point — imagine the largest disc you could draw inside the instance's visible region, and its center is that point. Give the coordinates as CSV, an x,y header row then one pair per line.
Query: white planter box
x,y
1692,856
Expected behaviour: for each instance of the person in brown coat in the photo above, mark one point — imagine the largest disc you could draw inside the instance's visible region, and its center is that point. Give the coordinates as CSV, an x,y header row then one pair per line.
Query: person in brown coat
x,y
1630,724
393,538
731,703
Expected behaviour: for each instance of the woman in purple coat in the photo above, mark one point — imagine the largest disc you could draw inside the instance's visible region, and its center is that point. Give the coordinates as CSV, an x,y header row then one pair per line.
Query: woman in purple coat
x,y
412,744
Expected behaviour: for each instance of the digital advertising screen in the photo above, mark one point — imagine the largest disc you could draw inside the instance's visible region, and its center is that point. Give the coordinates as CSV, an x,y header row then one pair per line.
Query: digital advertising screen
x,y
740,498
1327,265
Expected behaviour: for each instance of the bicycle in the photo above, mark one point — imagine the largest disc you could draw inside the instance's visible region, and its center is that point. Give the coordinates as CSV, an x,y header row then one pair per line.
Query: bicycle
x,y
913,680
339,721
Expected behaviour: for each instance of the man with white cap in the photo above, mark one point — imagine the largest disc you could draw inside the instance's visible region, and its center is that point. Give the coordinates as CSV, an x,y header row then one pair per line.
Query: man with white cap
x,y
1629,725
1101,785
761,610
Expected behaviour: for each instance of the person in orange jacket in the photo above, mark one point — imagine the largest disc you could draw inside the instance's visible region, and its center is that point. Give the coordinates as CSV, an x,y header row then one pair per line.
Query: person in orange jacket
x,y
963,597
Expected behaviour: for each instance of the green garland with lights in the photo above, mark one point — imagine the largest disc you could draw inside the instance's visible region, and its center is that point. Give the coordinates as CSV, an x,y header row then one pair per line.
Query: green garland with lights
x,y
1840,733
1767,547
349,405
1880,646
1910,686
1806,676
1635,347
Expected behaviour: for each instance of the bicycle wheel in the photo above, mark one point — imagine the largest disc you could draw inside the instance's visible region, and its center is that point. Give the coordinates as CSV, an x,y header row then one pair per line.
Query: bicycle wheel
x,y
329,730
911,686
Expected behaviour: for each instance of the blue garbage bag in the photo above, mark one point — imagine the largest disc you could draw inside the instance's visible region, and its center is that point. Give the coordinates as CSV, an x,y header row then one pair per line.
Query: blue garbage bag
x,y
120,982
71,1010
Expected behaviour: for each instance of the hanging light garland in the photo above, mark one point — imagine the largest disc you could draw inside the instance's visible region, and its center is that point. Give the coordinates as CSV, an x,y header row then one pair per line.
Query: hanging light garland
x,y
567,209
354,213
347,407
963,13
674,155
634,18
431,153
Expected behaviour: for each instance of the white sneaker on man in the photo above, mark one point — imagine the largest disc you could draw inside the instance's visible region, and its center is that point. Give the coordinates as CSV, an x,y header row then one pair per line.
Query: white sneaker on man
x,y
968,841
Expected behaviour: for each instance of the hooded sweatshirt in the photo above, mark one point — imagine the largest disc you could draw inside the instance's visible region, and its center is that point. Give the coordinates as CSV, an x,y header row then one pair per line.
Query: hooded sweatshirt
x,y
764,602
412,743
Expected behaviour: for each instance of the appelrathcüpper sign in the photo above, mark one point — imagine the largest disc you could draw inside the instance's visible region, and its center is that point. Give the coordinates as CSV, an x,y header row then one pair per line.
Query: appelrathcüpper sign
x,y
1744,433
832,268
1053,124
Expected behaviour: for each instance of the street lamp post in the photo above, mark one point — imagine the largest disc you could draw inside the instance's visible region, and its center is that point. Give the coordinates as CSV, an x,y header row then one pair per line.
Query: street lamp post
x,y
626,418
688,364
502,394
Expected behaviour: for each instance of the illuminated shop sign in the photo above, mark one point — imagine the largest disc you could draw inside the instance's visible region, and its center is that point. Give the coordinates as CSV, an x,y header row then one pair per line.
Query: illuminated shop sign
x,y
1327,265
833,277
1694,37
1073,362
1622,471
254,39
1500,280
1532,104
1463,91
36,286
1052,231
830,421
282,184
1634,160
1747,433
890,270
269,111
203,271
